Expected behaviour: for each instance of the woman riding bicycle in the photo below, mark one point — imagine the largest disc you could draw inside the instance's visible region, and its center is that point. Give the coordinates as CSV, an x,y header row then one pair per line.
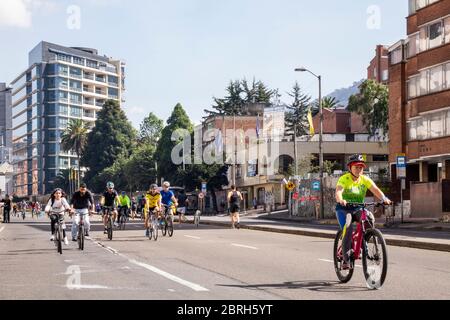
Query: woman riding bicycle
x,y
352,188
56,207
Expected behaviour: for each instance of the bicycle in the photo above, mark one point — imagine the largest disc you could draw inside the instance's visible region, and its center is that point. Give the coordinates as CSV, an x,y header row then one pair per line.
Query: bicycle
x,y
197,218
109,223
123,217
154,225
167,222
363,237
81,231
60,226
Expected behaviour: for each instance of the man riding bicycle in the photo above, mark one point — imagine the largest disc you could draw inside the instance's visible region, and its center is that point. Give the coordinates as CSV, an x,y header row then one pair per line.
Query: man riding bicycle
x,y
82,203
352,188
152,203
168,199
124,205
109,199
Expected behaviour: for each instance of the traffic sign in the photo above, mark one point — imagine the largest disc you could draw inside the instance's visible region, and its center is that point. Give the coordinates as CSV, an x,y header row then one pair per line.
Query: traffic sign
x,y
295,196
401,165
315,185
201,195
290,186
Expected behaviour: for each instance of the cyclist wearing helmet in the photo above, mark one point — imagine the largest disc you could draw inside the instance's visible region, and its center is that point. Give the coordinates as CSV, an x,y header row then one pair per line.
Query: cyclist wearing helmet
x,y
168,198
124,205
110,198
352,187
152,202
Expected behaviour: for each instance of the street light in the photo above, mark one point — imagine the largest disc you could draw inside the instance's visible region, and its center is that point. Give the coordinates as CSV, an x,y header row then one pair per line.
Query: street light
x,y
303,69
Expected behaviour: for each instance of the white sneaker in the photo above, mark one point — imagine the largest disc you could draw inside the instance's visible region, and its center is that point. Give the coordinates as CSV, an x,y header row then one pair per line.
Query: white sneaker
x,y
52,238
66,241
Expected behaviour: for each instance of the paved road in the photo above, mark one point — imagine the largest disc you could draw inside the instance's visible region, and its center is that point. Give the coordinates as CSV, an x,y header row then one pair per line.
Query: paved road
x,y
204,263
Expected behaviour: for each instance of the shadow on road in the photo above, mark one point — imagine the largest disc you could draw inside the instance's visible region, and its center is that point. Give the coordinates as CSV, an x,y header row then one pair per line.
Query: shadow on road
x,y
320,286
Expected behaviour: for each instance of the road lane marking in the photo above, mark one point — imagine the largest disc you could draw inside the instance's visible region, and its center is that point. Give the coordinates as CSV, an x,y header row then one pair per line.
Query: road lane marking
x,y
2,228
169,276
244,246
171,290
326,260
193,237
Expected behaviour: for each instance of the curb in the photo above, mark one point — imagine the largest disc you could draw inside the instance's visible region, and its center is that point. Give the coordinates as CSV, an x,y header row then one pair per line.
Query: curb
x,y
318,234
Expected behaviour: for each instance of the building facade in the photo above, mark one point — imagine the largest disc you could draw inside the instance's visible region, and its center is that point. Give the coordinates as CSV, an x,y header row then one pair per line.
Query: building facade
x,y
419,106
378,69
5,124
60,84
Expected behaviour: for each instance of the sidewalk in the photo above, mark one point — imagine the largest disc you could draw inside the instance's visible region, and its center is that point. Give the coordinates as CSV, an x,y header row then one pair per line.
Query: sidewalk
x,y
413,234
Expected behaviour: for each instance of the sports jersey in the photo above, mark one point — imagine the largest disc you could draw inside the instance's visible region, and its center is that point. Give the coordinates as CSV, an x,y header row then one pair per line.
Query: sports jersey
x,y
124,201
109,198
354,191
152,200
167,197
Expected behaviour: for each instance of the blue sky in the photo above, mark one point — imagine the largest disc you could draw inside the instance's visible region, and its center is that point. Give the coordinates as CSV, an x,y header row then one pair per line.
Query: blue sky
x,y
188,50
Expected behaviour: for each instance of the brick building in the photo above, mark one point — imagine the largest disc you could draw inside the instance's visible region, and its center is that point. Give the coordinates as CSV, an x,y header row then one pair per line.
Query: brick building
x,y
419,106
379,66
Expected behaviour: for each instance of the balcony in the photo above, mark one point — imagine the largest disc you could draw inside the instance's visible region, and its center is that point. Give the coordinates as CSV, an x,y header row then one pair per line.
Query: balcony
x,y
88,76
87,89
100,79
89,102
99,103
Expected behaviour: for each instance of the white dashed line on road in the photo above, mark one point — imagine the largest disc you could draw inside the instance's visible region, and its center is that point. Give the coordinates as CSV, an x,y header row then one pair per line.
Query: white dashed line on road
x,y
193,237
244,246
169,276
2,228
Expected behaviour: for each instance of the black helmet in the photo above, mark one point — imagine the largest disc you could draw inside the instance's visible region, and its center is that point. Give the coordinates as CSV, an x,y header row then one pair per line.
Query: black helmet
x,y
356,159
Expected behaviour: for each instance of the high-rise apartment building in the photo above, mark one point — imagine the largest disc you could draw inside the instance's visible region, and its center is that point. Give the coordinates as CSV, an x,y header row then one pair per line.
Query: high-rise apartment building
x,y
379,67
5,123
59,84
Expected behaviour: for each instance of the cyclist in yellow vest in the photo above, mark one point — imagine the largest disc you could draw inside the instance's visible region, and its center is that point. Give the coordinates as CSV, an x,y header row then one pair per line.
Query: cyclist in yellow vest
x,y
152,203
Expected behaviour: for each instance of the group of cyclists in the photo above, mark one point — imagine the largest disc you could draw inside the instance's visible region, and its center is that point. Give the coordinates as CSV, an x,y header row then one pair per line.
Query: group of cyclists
x,y
157,203
19,208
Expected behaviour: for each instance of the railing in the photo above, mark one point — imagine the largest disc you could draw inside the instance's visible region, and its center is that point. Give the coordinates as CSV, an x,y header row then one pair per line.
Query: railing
x,y
88,76
88,90
99,79
89,102
99,104
76,76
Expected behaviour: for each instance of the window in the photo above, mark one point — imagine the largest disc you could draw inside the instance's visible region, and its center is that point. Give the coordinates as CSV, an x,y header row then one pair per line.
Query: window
x,y
397,55
413,45
63,96
447,122
75,72
50,83
63,162
51,148
63,83
75,112
75,98
385,75
380,157
412,130
447,75
63,70
435,34
422,128
412,87
78,60
63,109
114,93
63,123
91,64
112,80
447,30
50,109
75,85
63,57
412,6
51,135
437,125
423,82
436,77
50,96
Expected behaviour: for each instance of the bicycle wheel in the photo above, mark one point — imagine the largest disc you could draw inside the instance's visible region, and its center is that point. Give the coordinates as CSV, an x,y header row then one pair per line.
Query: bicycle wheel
x,y
163,227
123,221
169,225
81,237
344,276
154,227
110,229
374,259
58,240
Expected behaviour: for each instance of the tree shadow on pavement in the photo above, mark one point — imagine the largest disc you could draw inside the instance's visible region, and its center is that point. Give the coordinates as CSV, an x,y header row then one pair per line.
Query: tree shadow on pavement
x,y
319,286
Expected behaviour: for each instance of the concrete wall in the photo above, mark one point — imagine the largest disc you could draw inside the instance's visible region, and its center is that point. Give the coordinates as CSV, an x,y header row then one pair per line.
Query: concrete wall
x,y
426,200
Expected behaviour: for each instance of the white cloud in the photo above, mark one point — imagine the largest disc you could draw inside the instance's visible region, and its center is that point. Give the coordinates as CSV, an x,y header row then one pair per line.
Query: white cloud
x,y
15,13
18,13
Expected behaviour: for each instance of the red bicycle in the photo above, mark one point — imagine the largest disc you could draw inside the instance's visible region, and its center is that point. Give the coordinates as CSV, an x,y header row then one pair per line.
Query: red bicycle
x,y
366,239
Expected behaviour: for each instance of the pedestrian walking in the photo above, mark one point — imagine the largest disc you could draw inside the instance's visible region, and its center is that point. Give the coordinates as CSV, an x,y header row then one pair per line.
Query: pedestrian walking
x,y
234,201
7,204
255,203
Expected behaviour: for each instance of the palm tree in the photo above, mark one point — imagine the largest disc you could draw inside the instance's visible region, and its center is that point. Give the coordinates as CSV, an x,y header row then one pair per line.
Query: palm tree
x,y
74,138
329,103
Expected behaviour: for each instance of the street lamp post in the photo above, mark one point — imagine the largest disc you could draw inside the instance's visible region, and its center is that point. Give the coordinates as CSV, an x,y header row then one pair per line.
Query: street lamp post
x,y
322,209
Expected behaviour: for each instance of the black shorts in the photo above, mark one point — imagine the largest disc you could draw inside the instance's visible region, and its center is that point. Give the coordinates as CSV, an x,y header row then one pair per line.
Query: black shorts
x,y
234,208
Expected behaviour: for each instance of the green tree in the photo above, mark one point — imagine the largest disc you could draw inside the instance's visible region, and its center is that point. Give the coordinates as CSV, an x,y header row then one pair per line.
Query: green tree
x,y
372,103
296,118
74,138
62,180
114,173
112,137
150,129
177,120
140,169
